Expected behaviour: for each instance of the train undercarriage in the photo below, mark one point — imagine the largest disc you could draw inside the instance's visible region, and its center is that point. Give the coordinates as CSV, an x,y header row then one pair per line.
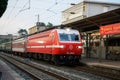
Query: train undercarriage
x,y
56,59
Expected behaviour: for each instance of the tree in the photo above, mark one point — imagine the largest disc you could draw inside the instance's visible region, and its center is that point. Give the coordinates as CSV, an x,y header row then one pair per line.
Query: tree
x,y
22,32
3,6
49,25
42,24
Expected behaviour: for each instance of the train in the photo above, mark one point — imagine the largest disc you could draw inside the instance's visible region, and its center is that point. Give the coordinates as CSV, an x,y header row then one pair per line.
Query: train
x,y
60,46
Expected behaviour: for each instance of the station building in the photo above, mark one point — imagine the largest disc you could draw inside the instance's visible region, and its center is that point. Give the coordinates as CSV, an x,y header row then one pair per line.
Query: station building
x,y
38,27
90,17
86,8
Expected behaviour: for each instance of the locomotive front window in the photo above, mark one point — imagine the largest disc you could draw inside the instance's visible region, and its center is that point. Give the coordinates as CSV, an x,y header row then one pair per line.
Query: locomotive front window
x,y
64,37
74,37
69,37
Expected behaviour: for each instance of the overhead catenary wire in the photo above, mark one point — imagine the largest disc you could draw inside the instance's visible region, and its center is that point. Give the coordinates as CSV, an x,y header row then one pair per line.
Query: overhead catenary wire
x,y
23,9
49,9
5,22
12,9
46,13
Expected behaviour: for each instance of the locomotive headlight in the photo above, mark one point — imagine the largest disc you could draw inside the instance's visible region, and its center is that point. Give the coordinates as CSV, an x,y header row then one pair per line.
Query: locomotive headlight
x,y
68,29
79,47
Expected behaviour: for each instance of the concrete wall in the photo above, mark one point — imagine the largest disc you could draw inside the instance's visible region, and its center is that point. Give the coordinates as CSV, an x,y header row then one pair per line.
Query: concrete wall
x,y
95,9
86,9
73,12
36,29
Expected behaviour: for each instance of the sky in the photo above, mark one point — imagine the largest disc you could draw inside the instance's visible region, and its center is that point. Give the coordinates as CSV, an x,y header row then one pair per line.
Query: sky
x,y
23,14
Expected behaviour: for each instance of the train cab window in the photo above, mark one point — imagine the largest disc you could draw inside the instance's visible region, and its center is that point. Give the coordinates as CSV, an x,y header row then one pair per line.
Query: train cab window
x,y
69,37
74,37
64,37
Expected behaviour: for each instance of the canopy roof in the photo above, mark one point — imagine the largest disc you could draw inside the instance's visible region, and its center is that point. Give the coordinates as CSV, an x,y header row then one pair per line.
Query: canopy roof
x,y
94,22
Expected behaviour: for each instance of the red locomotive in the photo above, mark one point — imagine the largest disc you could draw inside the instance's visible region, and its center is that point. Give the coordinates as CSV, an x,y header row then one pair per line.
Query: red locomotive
x,y
57,45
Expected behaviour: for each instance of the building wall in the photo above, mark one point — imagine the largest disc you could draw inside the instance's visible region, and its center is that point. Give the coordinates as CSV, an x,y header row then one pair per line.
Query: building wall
x,y
73,13
6,38
41,28
95,9
86,9
36,29
33,29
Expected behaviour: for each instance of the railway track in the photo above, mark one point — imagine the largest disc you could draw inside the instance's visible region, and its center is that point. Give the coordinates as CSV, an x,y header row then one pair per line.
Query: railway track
x,y
104,72
99,71
34,71
73,73
108,73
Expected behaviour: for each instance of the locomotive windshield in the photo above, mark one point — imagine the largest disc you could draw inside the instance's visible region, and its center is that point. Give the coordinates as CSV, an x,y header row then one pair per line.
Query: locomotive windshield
x,y
74,37
68,37
64,37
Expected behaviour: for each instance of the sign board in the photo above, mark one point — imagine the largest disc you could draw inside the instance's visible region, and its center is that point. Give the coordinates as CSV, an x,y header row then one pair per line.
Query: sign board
x,y
110,29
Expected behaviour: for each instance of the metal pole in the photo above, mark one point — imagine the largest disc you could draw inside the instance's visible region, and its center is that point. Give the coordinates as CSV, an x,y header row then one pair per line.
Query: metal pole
x,y
100,48
87,46
38,17
0,75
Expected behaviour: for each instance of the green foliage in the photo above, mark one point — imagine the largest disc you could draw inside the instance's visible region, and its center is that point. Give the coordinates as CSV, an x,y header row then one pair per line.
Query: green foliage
x,y
42,24
22,32
49,25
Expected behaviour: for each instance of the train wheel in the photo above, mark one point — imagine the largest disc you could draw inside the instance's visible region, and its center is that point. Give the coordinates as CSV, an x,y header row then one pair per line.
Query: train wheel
x,y
49,57
23,55
55,59
77,61
30,55
36,55
40,56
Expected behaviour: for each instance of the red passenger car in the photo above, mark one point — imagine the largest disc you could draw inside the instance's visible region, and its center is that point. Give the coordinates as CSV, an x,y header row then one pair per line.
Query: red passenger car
x,y
58,45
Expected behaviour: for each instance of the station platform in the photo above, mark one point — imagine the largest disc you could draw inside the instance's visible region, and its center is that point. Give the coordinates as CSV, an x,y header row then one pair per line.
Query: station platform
x,y
7,73
115,65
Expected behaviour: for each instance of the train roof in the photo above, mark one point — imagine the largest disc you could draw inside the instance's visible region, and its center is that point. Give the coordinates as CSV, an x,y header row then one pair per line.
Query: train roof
x,y
55,27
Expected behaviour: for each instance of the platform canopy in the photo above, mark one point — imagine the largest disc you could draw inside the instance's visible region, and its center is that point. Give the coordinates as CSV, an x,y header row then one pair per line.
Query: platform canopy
x,y
94,22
